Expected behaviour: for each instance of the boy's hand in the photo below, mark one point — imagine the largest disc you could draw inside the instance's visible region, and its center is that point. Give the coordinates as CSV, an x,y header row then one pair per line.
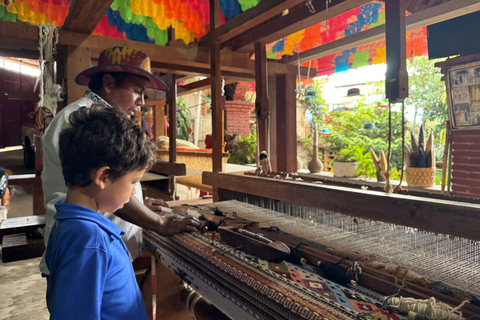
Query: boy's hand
x,y
155,204
175,223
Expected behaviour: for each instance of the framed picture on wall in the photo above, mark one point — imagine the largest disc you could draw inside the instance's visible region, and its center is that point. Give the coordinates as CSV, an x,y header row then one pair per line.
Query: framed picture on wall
x,y
463,95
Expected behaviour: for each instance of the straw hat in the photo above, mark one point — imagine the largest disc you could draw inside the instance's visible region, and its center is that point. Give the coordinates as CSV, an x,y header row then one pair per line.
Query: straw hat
x,y
123,59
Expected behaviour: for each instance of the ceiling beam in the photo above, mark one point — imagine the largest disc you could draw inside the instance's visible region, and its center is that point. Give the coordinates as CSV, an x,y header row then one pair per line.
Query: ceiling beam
x,y
25,37
295,20
198,85
84,15
439,13
250,18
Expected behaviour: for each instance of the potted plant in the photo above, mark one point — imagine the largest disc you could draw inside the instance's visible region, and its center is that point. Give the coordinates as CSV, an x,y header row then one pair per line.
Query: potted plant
x,y
420,161
345,165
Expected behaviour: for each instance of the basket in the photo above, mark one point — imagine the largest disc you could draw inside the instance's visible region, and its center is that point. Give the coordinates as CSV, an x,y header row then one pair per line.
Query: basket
x,y
420,177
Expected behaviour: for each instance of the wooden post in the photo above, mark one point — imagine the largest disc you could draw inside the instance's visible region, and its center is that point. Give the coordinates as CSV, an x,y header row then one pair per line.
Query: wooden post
x,y
158,107
261,101
286,132
78,59
396,82
217,114
172,118
272,121
216,89
37,191
445,155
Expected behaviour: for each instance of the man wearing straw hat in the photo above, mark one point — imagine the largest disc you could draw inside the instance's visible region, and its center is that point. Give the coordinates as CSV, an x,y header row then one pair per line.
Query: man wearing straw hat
x,y
119,81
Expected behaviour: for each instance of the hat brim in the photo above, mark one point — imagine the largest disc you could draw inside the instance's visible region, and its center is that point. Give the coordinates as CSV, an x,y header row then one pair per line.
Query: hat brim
x,y
84,77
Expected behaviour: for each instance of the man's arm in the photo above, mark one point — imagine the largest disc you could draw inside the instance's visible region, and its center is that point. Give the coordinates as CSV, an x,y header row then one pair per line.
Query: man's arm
x,y
137,213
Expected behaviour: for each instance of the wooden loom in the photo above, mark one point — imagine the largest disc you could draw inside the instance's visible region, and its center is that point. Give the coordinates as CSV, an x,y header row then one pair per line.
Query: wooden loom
x,y
350,212
322,218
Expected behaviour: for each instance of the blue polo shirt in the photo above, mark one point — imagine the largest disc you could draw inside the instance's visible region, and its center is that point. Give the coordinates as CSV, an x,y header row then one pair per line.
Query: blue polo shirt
x,y
91,276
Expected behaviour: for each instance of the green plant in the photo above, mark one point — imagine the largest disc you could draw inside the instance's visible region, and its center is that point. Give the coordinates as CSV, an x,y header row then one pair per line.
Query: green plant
x,y
243,151
347,155
364,161
183,120
310,98
347,129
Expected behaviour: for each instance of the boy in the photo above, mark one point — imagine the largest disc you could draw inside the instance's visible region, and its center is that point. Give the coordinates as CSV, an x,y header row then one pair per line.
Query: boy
x,y
103,154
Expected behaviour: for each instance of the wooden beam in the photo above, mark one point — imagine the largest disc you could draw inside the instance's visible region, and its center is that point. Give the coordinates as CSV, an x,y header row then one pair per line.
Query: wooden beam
x,y
84,15
169,168
186,70
198,85
25,37
22,95
442,12
435,215
248,19
295,20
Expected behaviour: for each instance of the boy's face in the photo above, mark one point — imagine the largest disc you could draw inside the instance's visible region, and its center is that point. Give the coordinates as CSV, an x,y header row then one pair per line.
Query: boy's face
x,y
128,97
117,192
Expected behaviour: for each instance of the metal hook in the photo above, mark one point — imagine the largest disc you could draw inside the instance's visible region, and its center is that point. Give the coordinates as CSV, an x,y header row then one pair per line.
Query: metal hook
x,y
310,6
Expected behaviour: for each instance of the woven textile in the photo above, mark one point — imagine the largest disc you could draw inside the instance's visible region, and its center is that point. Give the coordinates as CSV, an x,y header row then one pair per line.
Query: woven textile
x,y
266,289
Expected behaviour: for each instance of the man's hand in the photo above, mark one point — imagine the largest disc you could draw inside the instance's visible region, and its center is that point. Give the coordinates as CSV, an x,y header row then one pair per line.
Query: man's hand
x,y
175,223
155,204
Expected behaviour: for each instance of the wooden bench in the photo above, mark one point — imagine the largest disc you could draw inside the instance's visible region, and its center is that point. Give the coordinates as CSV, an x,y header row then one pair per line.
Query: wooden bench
x,y
15,244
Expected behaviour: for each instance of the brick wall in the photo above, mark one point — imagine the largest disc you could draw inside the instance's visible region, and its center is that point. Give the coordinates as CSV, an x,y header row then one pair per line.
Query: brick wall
x,y
240,90
466,163
237,117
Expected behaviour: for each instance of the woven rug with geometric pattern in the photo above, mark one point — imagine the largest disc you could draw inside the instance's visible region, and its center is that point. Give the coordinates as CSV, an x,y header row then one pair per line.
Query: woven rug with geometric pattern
x,y
263,289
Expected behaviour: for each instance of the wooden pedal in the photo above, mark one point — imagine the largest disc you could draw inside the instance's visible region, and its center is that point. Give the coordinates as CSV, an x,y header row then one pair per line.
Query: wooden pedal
x,y
18,247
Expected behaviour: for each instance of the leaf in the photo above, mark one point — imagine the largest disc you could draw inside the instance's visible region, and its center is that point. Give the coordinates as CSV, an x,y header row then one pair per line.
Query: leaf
x,y
383,161
421,138
414,142
376,162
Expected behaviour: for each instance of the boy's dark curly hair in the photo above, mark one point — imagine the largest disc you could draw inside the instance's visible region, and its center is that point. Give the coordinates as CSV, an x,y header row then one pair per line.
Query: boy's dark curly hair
x,y
101,136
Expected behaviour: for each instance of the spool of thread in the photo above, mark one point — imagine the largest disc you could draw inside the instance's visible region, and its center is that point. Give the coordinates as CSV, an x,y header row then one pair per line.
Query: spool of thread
x,y
335,273
218,212
295,257
209,226
415,316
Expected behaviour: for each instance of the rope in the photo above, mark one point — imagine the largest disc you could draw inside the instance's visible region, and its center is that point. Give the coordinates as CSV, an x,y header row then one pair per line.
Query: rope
x,y
47,46
388,186
326,18
399,187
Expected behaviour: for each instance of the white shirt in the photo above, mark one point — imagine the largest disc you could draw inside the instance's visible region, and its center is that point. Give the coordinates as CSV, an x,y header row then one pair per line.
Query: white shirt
x,y
53,182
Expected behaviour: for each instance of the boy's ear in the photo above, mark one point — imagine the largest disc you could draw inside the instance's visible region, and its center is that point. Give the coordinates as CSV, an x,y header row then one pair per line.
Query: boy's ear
x,y
100,176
